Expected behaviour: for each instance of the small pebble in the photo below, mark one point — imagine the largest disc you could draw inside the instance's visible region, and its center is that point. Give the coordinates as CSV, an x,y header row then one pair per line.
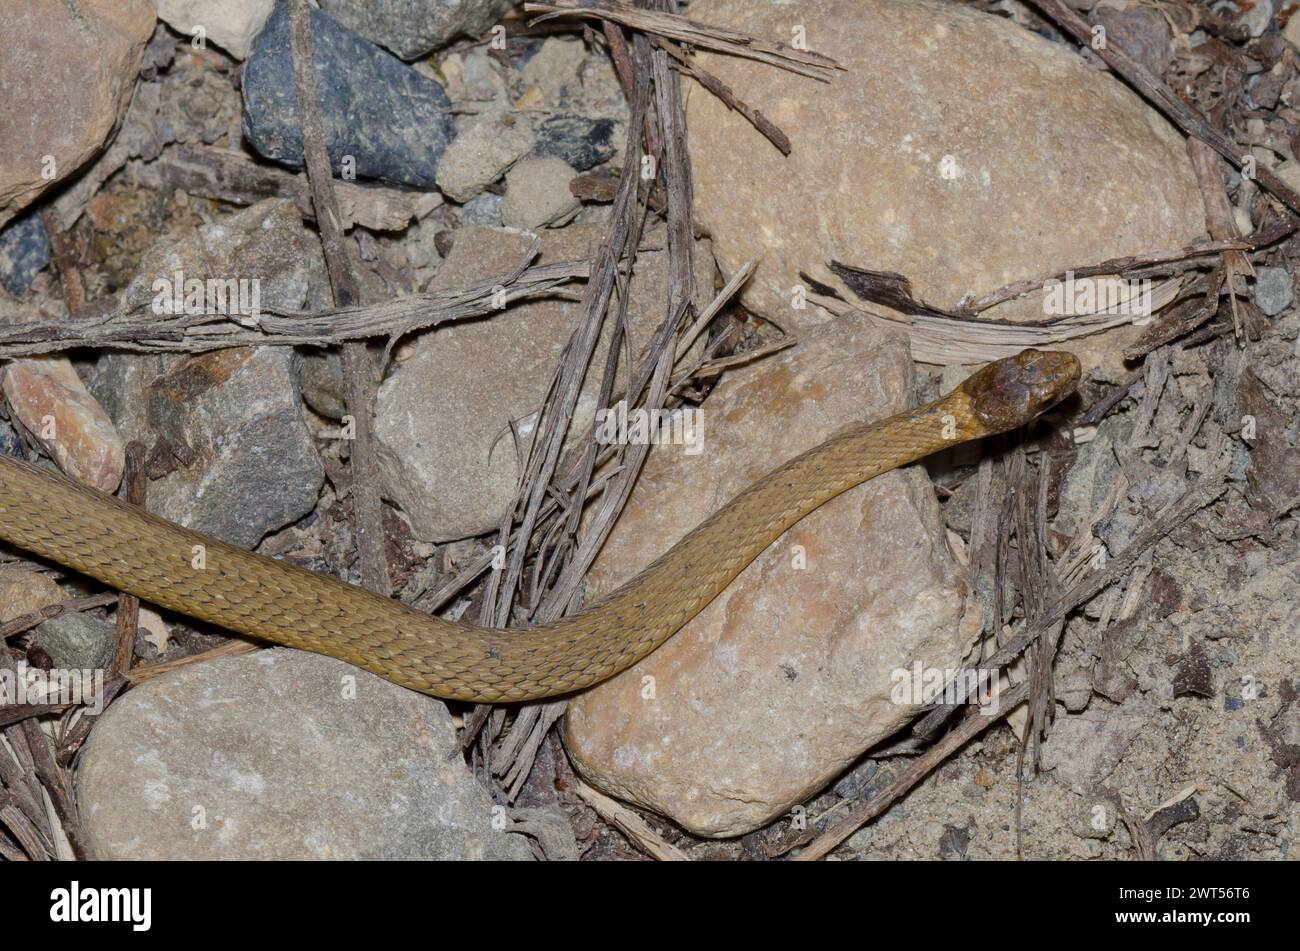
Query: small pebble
x,y
24,251
1273,293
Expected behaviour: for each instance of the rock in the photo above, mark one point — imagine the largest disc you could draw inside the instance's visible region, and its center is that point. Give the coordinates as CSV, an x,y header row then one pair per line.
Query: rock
x,y
231,420
393,121
1273,291
24,251
412,28
443,417
473,79
231,24
49,399
962,152
22,592
481,152
1291,32
857,782
583,143
1073,687
77,641
281,755
264,245
1083,749
1141,32
537,194
554,66
10,444
66,70
1257,16
789,676
482,210
255,467
321,376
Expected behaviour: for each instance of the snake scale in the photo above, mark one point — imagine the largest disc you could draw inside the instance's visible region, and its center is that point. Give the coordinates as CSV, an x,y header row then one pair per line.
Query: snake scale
x,y
60,519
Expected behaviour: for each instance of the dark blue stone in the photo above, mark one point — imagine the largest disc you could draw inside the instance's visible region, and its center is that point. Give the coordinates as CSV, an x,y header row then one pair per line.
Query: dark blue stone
x,y
24,250
393,121
583,143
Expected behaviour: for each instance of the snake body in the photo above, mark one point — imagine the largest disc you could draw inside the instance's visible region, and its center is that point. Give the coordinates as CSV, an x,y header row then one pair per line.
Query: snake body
x,y
129,549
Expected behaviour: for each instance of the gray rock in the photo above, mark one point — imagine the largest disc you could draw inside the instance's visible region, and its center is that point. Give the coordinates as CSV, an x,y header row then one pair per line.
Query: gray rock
x,y
10,444
446,417
256,468
392,120
483,210
24,251
537,194
1273,291
583,143
322,382
412,28
1141,32
856,783
1083,749
1257,16
232,419
282,755
77,641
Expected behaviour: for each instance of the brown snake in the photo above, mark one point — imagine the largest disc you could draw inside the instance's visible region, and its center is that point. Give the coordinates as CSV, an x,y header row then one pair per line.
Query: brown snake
x,y
129,549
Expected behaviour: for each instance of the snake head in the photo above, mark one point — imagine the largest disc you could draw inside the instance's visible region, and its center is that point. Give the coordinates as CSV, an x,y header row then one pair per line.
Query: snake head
x,y
1012,391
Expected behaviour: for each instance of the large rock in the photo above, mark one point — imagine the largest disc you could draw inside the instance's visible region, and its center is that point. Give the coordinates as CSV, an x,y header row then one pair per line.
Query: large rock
x,y
785,679
282,755
393,121
412,28
66,70
245,463
231,421
958,149
443,418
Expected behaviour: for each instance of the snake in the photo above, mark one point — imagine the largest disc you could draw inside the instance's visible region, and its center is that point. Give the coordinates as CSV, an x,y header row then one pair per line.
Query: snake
x,y
127,548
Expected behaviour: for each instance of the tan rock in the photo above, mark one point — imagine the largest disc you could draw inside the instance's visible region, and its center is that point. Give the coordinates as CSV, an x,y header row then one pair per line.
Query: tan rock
x,y
50,400
231,24
537,193
785,679
958,149
22,592
481,152
444,416
67,70
555,65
